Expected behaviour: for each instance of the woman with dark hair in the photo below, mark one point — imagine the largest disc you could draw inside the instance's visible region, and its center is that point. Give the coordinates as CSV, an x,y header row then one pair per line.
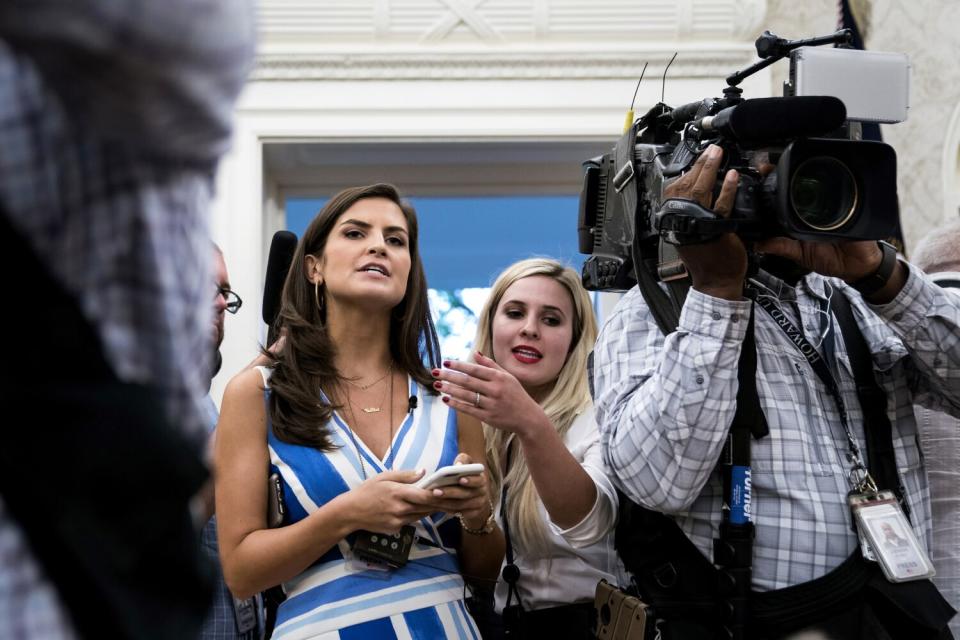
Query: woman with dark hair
x,y
347,416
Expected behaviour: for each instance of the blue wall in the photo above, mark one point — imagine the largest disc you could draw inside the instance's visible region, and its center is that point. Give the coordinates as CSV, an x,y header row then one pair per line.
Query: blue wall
x,y
467,241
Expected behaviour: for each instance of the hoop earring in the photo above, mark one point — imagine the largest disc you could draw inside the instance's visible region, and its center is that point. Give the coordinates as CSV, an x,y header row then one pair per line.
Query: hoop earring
x,y
316,297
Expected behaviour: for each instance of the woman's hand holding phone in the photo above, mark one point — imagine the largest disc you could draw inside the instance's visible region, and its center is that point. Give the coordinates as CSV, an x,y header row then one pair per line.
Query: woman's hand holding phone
x,y
469,496
445,476
387,501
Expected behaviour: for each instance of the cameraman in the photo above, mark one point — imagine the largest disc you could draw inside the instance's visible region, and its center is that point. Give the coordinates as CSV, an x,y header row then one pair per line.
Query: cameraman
x,y
665,406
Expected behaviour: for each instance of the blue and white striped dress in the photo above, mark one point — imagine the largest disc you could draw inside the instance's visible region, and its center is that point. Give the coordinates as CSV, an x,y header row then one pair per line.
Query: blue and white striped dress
x,y
333,599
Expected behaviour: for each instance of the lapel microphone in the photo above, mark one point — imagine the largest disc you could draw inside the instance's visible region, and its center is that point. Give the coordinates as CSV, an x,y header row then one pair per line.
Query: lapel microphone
x,y
411,404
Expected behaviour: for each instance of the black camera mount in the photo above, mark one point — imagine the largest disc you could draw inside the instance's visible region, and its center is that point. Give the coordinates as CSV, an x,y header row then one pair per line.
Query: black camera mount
x,y
771,47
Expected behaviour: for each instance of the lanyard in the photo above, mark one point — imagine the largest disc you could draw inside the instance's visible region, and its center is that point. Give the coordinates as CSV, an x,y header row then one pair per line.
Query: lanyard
x,y
511,572
860,478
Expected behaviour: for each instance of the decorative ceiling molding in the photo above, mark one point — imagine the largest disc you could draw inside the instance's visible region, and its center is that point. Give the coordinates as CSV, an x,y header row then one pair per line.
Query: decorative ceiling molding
x,y
704,63
462,12
492,21
502,39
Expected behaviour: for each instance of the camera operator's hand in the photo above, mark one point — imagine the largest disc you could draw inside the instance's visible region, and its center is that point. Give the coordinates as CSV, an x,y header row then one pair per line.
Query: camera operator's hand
x,y
717,268
849,261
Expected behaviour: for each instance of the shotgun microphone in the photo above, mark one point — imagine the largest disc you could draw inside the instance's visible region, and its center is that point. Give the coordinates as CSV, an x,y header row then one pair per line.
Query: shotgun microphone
x,y
766,120
282,248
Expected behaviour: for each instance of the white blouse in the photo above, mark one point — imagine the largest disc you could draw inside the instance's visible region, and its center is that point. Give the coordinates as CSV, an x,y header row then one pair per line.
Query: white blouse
x,y
582,555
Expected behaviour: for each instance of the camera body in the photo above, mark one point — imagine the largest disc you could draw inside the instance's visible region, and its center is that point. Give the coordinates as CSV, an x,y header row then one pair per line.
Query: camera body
x,y
826,184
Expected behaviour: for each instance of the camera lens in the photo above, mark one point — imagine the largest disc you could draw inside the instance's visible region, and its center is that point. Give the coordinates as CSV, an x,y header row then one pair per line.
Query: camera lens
x,y
823,193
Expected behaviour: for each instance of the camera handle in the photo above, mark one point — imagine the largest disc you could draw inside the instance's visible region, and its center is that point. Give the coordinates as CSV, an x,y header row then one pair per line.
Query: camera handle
x,y
683,222
771,48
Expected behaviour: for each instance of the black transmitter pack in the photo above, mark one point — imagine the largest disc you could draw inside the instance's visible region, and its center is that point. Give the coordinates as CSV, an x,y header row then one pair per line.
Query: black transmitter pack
x,y
392,550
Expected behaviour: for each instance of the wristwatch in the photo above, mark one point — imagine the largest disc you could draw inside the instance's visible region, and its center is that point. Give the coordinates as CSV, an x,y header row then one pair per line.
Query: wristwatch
x,y
484,529
870,284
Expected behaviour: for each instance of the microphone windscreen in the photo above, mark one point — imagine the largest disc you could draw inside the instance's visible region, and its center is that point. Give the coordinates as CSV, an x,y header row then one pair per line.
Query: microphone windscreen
x,y
771,119
282,248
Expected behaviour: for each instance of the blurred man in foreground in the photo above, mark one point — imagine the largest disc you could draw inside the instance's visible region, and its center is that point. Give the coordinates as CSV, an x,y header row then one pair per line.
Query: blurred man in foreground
x,y
112,119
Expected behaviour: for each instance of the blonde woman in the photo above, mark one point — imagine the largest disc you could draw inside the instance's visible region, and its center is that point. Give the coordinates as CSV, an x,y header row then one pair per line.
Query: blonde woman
x,y
528,385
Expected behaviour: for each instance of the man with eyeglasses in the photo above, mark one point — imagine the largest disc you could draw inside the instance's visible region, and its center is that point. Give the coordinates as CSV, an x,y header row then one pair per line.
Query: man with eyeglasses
x,y
229,618
224,300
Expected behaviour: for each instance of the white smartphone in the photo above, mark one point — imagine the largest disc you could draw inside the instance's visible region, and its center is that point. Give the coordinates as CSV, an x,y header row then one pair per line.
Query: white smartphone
x,y
445,476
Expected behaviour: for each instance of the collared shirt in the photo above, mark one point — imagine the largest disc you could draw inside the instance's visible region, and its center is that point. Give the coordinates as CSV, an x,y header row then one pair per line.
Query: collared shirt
x,y
665,405
578,557
940,440
112,118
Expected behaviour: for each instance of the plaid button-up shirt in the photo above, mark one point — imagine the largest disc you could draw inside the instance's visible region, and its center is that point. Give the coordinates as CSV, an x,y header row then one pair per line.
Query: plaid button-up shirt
x,y
665,404
112,118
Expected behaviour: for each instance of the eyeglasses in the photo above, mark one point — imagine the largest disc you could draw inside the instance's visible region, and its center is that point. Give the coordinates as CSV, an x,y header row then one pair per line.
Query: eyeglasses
x,y
233,300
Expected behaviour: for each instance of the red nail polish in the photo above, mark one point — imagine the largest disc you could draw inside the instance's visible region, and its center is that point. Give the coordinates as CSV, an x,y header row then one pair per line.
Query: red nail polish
x,y
446,363
446,399
437,385
435,372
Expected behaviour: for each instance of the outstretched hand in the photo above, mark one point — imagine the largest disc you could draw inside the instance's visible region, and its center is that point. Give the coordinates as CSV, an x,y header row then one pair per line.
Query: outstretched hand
x,y
486,391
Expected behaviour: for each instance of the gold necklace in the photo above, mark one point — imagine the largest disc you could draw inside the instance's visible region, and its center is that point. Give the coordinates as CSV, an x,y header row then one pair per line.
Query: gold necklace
x,y
356,445
382,398
364,387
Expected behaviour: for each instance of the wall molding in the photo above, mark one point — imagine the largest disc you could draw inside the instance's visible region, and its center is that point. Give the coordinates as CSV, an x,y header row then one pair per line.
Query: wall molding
x,y
503,39
701,63
432,22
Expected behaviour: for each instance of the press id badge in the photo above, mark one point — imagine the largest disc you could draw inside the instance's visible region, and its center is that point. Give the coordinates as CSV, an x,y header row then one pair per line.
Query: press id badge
x,y
245,613
881,522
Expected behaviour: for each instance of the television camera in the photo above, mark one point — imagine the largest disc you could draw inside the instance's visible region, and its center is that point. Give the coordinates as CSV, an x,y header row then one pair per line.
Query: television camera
x,y
828,184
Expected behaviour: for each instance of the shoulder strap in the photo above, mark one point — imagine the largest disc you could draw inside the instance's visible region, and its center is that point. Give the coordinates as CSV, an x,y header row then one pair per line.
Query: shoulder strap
x,y
669,570
664,306
749,416
665,310
625,178
733,548
877,429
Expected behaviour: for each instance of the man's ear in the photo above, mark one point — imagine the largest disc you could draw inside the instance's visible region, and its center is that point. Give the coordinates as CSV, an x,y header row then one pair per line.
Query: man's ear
x,y
313,268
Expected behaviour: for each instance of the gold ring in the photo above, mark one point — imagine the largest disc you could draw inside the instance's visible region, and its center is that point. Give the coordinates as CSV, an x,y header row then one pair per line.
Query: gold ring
x,y
476,402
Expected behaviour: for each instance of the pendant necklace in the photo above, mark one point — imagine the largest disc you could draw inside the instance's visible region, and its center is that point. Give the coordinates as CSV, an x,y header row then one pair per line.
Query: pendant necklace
x,y
364,387
382,398
353,419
